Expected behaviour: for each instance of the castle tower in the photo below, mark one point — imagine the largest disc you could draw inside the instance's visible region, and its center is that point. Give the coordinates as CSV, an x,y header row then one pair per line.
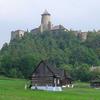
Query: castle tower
x,y
45,21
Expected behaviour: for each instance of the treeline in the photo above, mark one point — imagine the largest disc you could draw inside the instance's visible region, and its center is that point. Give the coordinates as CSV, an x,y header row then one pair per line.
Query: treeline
x,y
64,49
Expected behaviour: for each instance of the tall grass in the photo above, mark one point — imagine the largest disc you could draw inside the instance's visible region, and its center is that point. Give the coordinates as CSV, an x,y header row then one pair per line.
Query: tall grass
x,y
13,89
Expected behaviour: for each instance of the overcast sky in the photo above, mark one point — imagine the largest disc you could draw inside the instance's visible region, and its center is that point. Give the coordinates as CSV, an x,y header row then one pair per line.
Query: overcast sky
x,y
23,14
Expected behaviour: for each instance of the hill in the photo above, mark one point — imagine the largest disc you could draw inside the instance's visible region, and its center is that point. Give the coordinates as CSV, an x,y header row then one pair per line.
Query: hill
x,y
64,49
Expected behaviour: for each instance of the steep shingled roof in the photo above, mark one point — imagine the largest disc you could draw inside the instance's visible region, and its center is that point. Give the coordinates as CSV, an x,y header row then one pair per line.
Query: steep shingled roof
x,y
55,71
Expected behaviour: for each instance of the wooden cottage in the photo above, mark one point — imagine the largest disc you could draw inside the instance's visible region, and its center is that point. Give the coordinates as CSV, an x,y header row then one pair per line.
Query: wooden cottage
x,y
47,76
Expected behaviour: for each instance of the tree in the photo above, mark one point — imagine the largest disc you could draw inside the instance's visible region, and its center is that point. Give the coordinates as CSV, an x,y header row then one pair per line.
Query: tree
x,y
62,48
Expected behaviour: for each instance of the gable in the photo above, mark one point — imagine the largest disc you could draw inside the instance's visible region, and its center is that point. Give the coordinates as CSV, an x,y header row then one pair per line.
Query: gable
x,y
42,70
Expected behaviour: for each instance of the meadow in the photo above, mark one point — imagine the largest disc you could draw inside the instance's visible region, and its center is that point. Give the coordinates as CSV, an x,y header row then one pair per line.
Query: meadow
x,y
13,89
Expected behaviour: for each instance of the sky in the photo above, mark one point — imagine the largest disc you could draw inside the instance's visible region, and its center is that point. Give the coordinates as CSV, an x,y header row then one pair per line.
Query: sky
x,y
26,14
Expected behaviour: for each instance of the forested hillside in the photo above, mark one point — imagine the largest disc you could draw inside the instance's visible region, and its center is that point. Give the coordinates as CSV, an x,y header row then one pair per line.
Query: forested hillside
x,y
64,49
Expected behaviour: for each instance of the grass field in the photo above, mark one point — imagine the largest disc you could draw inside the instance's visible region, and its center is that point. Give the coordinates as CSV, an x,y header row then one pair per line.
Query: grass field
x,y
13,89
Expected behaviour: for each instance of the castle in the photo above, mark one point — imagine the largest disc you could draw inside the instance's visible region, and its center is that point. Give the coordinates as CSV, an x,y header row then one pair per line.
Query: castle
x,y
46,25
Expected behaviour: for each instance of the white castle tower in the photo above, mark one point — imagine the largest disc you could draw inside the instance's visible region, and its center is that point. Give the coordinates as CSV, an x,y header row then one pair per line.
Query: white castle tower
x,y
45,21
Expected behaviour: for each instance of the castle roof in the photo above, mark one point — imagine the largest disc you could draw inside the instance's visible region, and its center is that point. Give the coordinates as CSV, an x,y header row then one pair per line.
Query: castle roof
x,y
57,27
46,13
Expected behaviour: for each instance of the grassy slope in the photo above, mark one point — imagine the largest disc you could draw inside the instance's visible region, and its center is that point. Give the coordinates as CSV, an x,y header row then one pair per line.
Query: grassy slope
x,y
11,89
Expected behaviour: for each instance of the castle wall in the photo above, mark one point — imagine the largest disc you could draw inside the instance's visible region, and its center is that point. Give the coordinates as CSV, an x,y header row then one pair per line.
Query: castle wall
x,y
17,34
83,36
45,26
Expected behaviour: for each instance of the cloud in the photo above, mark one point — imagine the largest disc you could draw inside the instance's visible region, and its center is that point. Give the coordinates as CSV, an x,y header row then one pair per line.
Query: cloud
x,y
76,14
10,9
17,9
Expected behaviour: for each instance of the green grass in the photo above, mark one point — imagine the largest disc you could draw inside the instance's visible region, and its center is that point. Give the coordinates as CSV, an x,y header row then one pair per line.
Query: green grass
x,y
13,89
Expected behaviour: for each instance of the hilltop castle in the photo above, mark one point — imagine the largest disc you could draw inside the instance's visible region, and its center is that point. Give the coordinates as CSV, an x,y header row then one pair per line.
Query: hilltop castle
x,y
46,25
